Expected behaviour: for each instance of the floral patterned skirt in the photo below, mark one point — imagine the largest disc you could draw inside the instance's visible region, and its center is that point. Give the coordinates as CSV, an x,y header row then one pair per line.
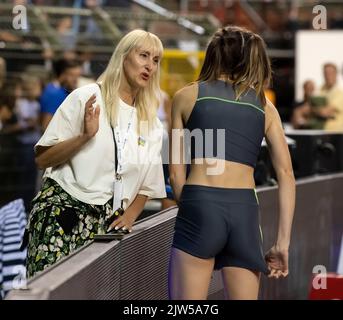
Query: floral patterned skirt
x,y
59,224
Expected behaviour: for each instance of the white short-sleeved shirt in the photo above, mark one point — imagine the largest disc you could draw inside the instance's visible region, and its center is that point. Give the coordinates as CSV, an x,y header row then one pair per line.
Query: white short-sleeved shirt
x,y
89,175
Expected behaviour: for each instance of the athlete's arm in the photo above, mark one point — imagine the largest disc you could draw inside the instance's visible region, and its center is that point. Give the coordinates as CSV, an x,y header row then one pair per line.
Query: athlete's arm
x,y
282,164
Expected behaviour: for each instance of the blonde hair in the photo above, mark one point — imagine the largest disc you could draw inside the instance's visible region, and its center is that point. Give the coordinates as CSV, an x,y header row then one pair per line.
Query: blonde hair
x,y
147,99
240,55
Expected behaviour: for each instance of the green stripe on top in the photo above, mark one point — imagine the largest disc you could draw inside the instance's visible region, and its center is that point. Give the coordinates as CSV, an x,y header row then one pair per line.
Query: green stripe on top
x,y
231,101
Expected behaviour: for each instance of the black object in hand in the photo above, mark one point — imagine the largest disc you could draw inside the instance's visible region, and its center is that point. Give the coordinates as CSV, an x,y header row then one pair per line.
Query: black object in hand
x,y
108,236
119,232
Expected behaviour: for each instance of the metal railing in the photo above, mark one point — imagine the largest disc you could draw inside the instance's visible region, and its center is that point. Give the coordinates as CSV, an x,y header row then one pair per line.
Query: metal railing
x,y
136,267
109,24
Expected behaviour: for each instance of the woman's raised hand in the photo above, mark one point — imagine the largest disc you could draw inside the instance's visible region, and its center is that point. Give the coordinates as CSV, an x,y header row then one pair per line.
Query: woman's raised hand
x,y
91,119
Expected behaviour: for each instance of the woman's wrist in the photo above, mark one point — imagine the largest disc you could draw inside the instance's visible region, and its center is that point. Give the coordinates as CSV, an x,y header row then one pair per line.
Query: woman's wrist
x,y
84,138
132,215
282,245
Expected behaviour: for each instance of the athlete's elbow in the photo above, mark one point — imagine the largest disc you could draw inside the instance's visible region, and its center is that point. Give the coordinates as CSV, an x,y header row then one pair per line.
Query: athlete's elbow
x,y
176,178
286,174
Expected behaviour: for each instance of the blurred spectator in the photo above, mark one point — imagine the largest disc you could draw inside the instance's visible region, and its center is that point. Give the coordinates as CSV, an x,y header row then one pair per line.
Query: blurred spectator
x,y
13,87
302,110
69,55
8,121
27,110
89,26
48,56
65,32
84,55
67,74
332,112
5,112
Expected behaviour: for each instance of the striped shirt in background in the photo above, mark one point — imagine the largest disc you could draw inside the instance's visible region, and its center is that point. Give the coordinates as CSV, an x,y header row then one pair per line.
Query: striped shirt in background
x,y
12,260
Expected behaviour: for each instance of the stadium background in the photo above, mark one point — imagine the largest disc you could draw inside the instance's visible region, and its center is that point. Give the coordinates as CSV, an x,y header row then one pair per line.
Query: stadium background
x,y
88,30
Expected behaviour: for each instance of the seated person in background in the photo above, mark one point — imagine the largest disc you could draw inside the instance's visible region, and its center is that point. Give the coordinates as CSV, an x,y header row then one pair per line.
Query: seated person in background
x,y
332,111
67,73
302,110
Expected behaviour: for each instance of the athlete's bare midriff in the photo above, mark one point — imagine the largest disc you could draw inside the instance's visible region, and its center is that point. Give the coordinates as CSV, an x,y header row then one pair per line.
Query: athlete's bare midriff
x,y
221,173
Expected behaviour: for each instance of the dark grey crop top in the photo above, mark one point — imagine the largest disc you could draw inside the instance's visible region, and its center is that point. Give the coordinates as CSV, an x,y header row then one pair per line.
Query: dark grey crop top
x,y
231,130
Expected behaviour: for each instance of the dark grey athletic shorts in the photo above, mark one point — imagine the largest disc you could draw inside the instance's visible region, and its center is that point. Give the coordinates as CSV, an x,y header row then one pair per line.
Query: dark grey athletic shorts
x,y
221,223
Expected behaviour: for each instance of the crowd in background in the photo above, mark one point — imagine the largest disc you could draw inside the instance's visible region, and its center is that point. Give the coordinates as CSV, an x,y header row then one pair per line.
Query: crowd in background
x,y
30,95
322,104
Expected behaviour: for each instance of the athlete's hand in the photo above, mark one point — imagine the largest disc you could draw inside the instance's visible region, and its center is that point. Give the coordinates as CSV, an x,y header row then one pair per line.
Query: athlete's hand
x,y
91,118
277,261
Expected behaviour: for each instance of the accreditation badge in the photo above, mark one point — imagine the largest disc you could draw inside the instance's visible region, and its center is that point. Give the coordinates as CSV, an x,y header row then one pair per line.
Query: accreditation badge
x,y
141,141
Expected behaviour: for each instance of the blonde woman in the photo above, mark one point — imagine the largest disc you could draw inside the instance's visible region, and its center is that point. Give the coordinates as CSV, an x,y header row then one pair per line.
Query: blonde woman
x,y
217,226
102,148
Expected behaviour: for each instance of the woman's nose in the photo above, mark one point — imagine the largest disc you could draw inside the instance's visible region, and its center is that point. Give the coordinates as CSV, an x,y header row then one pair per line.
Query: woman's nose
x,y
149,65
